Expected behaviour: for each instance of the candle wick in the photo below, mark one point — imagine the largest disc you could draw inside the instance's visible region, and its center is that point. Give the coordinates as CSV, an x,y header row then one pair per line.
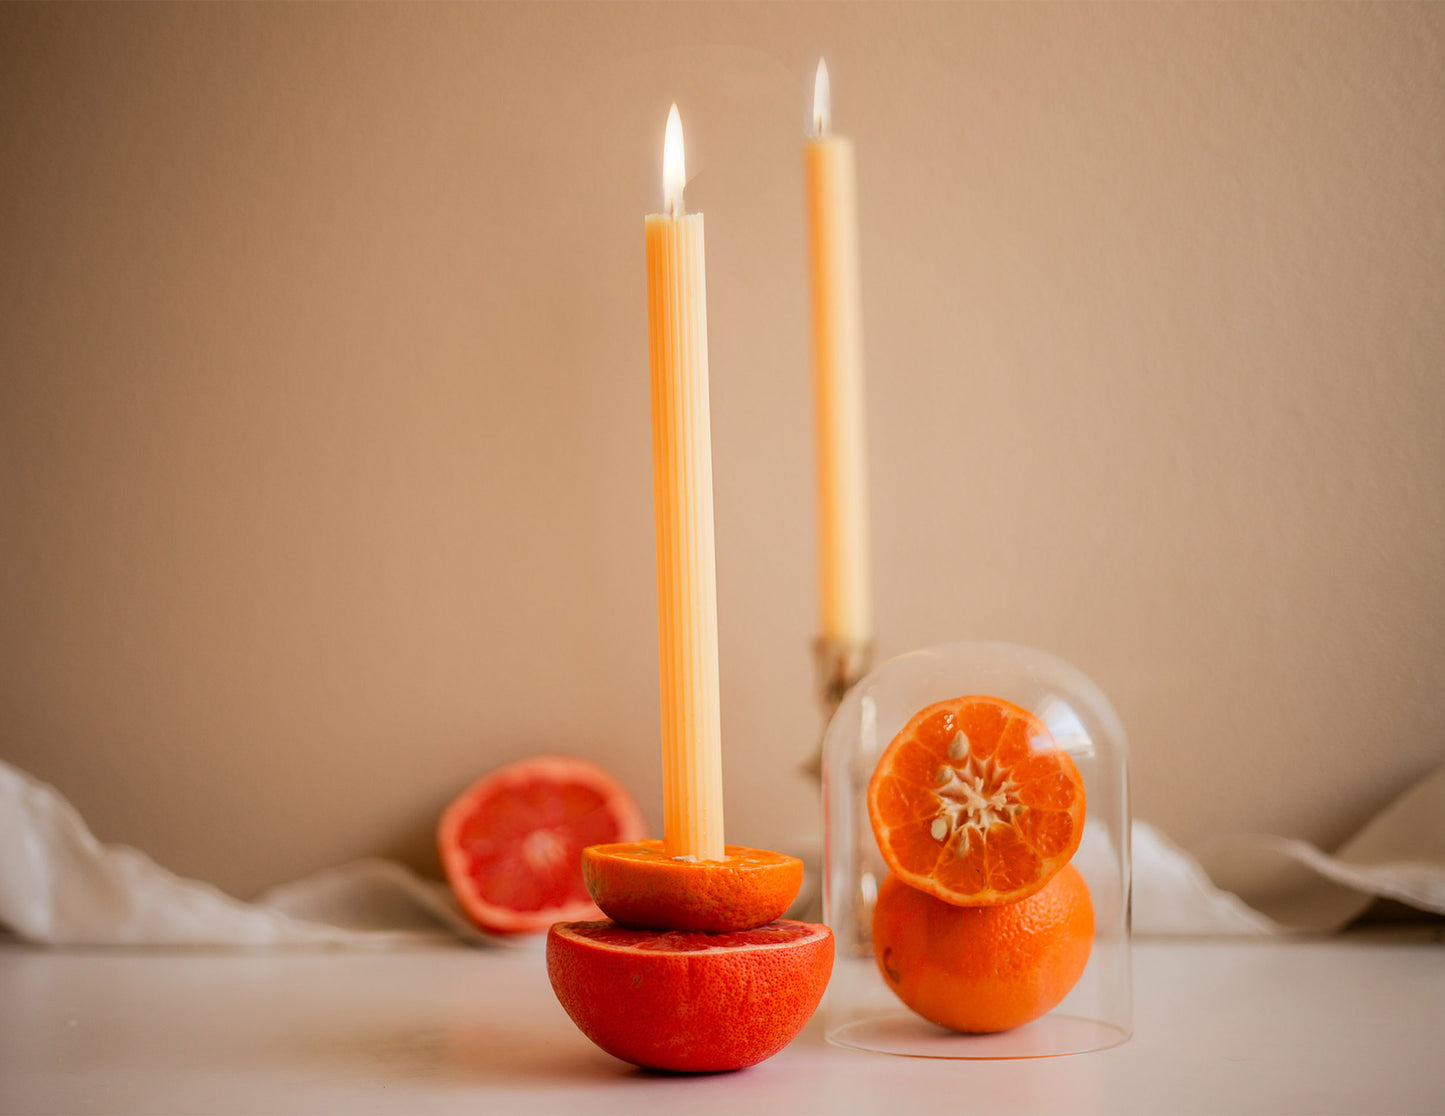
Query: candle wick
x,y
674,166
822,101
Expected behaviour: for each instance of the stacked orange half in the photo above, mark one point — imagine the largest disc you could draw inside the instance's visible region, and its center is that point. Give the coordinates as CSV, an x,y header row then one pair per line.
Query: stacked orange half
x,y
696,971
978,811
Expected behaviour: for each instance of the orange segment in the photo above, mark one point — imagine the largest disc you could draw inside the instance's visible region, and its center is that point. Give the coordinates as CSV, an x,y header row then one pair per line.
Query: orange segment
x,y
638,885
974,803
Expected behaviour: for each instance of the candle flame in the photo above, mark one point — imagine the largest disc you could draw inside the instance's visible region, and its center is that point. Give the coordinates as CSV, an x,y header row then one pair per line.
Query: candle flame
x,y
822,108
674,168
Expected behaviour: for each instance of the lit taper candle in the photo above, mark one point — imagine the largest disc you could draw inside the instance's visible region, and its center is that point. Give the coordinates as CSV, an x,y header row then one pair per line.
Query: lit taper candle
x,y
844,601
683,509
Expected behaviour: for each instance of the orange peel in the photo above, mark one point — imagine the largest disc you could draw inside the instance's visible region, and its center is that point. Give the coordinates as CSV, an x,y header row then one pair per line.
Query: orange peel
x,y
637,885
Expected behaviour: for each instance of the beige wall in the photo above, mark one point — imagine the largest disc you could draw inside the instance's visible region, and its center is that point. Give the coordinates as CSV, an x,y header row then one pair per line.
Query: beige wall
x,y
326,478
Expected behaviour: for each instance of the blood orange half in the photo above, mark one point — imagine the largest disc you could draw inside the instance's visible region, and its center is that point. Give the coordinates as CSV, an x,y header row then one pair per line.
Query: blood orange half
x,y
511,843
973,802
685,1001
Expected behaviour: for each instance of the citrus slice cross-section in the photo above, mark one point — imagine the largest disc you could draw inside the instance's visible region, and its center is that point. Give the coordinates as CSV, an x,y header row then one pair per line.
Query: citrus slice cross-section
x,y
512,842
973,802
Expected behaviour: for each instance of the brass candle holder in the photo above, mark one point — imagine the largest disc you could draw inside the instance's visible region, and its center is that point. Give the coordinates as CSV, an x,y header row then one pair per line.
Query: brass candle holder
x,y
838,665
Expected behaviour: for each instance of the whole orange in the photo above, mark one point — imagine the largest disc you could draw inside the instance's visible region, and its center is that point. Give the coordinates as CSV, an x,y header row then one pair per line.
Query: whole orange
x,y
688,1001
984,969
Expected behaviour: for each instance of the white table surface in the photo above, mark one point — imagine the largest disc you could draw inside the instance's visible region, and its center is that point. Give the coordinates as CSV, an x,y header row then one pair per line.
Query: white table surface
x,y
1348,1025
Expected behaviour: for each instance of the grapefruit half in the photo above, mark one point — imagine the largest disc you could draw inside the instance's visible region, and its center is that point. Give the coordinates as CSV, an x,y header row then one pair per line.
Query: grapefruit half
x,y
511,843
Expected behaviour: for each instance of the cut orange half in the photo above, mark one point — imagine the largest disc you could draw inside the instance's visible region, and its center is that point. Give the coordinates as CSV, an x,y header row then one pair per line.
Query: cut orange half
x,y
973,802
638,885
690,1002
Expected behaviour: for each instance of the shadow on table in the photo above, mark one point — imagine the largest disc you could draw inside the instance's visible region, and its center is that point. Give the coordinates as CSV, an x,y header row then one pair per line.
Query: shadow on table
x,y
477,1054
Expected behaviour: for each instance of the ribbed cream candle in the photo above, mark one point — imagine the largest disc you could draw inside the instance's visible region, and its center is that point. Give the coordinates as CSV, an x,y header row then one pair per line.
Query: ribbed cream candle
x,y
683,510
842,477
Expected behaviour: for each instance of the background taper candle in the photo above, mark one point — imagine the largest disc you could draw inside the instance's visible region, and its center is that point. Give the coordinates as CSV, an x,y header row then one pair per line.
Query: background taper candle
x,y
844,602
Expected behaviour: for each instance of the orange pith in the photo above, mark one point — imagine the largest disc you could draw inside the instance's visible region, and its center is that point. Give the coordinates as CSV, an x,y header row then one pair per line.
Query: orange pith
x,y
983,969
973,802
638,885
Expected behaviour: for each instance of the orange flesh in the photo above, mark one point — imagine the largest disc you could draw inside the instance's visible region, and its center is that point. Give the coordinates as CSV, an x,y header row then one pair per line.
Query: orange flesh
x,y
973,802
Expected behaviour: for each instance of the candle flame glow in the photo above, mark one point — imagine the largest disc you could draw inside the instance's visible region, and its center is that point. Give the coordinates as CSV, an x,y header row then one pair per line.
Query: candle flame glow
x,y
822,109
674,169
